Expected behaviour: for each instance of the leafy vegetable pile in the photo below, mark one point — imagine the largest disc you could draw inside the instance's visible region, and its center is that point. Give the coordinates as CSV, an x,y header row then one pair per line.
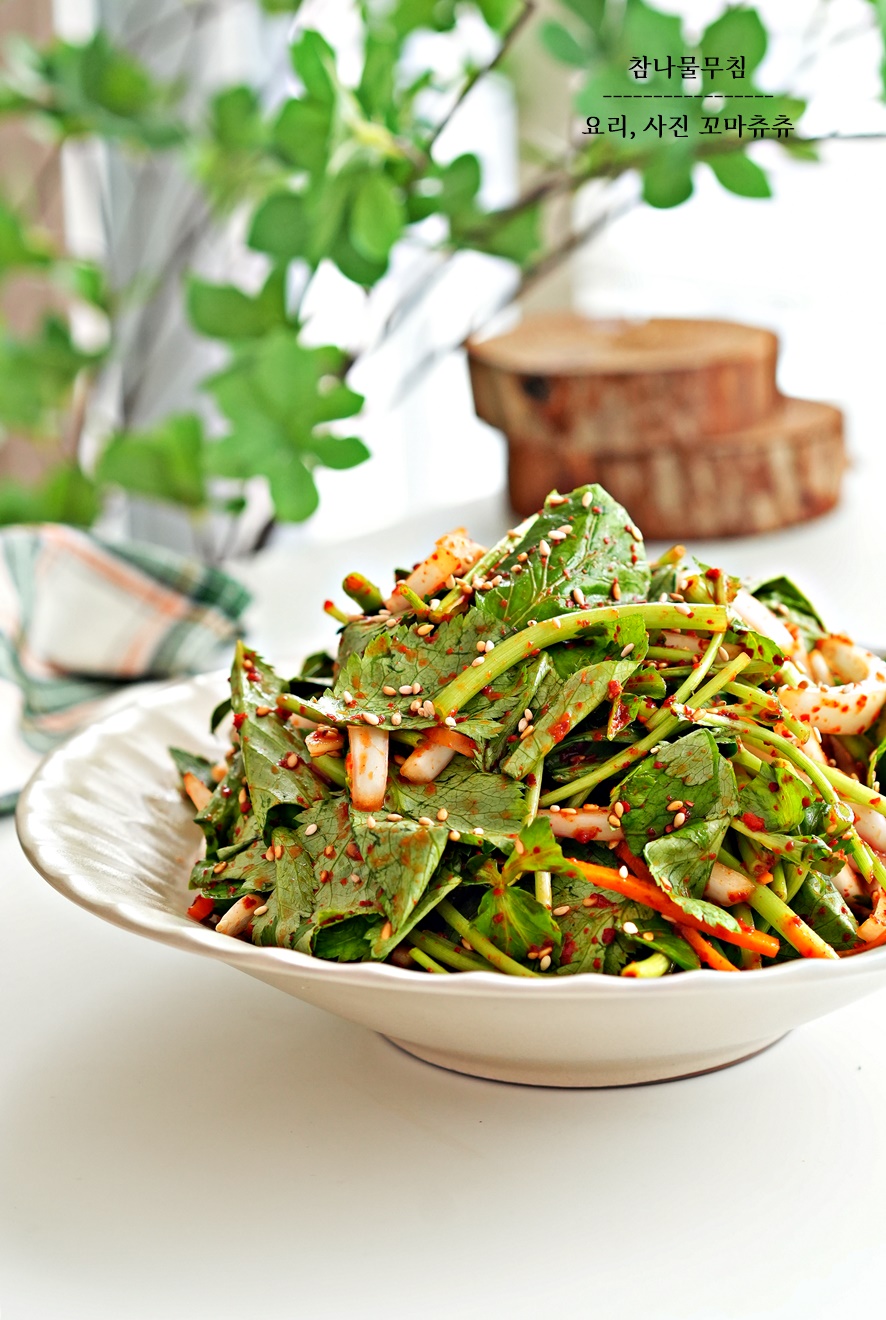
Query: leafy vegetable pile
x,y
554,757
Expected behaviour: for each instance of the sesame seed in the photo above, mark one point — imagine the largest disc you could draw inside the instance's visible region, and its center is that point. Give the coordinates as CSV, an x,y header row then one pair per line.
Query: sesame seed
x,y
450,582
384,613
424,628
292,760
527,714
354,878
428,710
635,532
579,597
623,872
521,725
312,829
454,836
268,854
478,829
522,557
478,661
481,646
557,536
679,819
684,609
387,931
260,911
626,650
465,945
569,811
649,935
414,707
348,699
556,807
371,822
630,927
590,900
389,691
450,721
615,591
489,646
562,910
324,876
485,586
554,500
723,654
519,847
396,718
405,689
532,954
544,549
329,850
219,867
442,814
434,604
497,580
391,622
262,710
676,805
415,689
241,796
370,718
278,851
618,809
531,623
425,820
586,499
614,822
544,963
393,815
556,624
527,732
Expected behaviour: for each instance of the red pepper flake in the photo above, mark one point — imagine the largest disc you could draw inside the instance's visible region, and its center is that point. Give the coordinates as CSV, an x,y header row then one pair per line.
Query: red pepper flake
x,y
753,822
239,720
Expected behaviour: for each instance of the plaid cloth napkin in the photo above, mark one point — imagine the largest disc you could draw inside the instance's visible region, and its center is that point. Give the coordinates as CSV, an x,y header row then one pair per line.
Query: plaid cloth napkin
x,y
80,618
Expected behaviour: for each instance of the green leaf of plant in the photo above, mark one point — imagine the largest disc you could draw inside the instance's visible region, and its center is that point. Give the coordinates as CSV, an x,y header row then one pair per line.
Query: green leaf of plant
x,y
163,464
222,311
66,495
681,863
738,31
776,797
564,47
377,217
281,6
740,175
236,118
470,798
667,181
690,770
17,246
339,452
590,12
301,134
281,227
516,922
821,906
314,61
515,237
292,487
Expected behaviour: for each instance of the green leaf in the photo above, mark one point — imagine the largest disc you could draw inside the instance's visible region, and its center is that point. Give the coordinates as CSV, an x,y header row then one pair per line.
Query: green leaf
x,y
738,31
36,376
66,495
821,906
314,61
667,181
222,311
235,116
470,797
776,797
281,6
592,938
163,464
785,598
301,134
739,174
578,697
690,770
499,14
377,217
399,856
681,863
564,47
598,551
293,489
339,452
515,237
281,227
591,12
516,922
18,248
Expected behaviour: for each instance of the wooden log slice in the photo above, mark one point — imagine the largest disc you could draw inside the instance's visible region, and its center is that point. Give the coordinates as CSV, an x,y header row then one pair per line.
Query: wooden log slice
x,y
604,385
784,470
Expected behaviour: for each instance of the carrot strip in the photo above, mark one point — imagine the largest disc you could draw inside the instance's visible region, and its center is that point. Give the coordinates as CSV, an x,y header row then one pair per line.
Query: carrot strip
x,y
634,863
641,891
862,948
706,951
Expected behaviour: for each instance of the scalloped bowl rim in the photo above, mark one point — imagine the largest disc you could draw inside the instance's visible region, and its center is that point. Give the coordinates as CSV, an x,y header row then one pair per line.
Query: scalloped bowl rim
x,y
34,819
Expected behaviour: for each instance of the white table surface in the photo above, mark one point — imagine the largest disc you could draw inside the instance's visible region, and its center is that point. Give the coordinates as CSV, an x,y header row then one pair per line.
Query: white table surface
x,y
179,1141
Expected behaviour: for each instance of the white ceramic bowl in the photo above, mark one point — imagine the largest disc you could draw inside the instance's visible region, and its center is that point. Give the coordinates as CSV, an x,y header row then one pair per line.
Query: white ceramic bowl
x,y
102,820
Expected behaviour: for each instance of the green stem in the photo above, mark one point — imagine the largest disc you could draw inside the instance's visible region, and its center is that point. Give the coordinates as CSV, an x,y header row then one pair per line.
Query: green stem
x,y
854,791
787,923
484,947
751,962
694,679
332,768
543,889
447,952
493,556
657,964
425,961
578,789
669,653
533,792
767,703
795,875
779,884
549,632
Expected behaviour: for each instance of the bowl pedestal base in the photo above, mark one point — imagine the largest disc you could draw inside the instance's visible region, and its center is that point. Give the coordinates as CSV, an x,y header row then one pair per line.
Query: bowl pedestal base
x,y
594,1073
